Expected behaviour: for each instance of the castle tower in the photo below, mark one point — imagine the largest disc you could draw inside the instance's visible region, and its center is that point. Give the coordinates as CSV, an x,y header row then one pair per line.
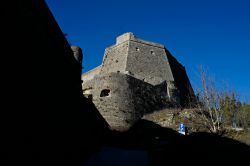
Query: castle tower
x,y
144,60
135,78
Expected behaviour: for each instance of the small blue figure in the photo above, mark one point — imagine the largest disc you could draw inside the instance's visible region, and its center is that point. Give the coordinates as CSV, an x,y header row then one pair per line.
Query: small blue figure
x,y
182,129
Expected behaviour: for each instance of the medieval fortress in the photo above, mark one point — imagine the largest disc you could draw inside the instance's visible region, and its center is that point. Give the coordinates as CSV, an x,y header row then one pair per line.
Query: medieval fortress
x,y
136,77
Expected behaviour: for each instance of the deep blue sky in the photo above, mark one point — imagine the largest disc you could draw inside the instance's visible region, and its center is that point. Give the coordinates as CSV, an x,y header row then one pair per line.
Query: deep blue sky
x,y
212,33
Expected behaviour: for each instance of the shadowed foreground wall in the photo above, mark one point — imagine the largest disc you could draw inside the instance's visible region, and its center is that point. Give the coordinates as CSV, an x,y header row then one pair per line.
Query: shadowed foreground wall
x,y
46,119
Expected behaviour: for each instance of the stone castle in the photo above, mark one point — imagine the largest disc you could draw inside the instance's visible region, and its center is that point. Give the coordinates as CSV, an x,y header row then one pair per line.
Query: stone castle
x,y
46,120
136,77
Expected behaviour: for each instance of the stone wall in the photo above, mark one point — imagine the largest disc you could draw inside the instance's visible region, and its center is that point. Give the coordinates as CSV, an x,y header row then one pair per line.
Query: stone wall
x,y
124,38
115,58
126,100
148,98
148,62
116,106
91,74
136,77
184,89
144,60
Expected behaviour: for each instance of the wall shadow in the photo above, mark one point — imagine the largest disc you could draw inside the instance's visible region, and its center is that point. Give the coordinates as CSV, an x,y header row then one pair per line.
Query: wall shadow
x,y
45,118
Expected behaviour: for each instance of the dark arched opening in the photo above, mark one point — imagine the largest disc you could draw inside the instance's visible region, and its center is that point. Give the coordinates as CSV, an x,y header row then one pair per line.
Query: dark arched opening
x,y
105,92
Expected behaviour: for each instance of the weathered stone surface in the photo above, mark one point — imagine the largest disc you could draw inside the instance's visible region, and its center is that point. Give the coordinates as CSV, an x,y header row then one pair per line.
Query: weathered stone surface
x,y
128,98
139,77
